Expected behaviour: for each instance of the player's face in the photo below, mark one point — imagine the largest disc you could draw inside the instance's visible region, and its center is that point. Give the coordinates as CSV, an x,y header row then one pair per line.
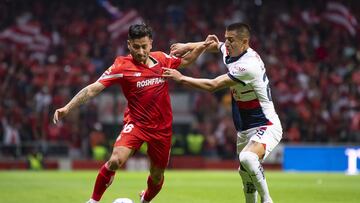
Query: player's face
x,y
234,44
140,48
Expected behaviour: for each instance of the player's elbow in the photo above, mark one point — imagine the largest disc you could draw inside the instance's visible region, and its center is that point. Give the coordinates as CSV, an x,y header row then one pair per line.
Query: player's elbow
x,y
186,62
212,86
95,88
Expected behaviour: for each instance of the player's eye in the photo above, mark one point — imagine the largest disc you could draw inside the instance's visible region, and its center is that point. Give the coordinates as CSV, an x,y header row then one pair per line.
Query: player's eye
x,y
230,40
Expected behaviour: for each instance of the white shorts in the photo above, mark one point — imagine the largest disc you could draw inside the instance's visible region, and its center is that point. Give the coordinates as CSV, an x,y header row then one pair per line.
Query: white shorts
x,y
270,135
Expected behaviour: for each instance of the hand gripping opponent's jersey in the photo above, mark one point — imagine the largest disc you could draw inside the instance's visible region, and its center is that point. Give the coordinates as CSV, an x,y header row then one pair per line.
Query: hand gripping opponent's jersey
x,y
252,104
146,91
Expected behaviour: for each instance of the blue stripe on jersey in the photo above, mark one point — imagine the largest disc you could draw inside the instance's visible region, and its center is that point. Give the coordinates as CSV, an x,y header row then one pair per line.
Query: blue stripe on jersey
x,y
247,118
236,115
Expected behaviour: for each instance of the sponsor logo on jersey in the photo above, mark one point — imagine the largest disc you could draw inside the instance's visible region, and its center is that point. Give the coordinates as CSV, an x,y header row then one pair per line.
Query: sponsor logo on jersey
x,y
148,82
241,69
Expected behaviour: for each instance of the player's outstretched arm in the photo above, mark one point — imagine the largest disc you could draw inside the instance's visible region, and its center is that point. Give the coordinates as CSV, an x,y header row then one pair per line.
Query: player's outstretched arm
x,y
181,49
80,98
210,85
191,56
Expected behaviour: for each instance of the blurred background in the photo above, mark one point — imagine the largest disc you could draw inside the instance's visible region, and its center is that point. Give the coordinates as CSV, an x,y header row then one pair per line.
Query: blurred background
x,y
49,50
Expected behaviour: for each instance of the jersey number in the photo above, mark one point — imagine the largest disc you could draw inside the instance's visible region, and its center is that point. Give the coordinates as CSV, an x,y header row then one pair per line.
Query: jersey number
x,y
268,87
128,128
260,132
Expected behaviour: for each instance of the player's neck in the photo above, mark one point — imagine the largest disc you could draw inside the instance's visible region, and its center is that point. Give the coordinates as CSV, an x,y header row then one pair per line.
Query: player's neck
x,y
146,62
241,51
244,48
150,62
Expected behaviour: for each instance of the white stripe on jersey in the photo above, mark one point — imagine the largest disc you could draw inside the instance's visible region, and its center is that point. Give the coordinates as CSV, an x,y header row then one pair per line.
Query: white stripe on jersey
x,y
111,76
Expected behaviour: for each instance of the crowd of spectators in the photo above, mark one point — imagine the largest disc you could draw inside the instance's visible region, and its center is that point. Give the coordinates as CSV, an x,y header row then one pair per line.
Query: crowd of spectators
x,y
314,69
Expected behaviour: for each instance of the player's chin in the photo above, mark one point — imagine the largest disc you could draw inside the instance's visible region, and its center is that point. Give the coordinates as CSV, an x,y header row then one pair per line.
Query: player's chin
x,y
141,58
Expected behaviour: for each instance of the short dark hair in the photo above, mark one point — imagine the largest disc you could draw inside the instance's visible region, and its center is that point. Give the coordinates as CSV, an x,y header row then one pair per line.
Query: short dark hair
x,y
138,31
242,29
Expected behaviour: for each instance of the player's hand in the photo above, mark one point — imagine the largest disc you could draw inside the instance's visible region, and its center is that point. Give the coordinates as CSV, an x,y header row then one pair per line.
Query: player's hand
x,y
172,73
60,113
179,49
212,38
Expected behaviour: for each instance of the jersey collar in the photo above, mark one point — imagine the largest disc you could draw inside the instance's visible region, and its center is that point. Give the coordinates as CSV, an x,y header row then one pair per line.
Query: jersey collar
x,y
153,60
229,59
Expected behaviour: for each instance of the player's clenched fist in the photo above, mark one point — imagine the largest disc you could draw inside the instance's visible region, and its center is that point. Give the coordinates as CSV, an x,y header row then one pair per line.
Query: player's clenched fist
x,y
212,39
179,49
172,73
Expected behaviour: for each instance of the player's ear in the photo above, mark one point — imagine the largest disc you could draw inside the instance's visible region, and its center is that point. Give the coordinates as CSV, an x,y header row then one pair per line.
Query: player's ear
x,y
151,41
129,44
245,41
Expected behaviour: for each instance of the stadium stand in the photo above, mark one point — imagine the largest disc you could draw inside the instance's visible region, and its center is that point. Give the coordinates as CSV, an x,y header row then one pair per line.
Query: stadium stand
x,y
49,50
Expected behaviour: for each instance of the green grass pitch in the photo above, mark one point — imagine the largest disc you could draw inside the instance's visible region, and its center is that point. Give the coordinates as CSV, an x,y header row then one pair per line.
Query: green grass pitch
x,y
180,187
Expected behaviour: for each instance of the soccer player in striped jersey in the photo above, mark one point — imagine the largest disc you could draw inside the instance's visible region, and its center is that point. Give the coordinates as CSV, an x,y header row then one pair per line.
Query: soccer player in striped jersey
x,y
148,117
258,125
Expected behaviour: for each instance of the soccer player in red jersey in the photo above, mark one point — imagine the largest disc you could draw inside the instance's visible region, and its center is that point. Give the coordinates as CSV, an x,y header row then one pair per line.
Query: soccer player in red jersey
x,y
148,117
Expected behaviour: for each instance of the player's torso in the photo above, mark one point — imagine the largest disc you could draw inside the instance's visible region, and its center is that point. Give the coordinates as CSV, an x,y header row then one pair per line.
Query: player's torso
x,y
142,81
147,94
252,102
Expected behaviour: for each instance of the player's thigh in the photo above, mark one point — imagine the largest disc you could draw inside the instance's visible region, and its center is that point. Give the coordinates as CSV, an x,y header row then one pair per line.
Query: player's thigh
x,y
264,139
131,136
159,151
241,141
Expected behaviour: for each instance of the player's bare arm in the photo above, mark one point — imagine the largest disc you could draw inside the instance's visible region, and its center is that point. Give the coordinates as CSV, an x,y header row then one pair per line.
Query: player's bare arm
x,y
214,46
191,56
181,49
80,98
211,85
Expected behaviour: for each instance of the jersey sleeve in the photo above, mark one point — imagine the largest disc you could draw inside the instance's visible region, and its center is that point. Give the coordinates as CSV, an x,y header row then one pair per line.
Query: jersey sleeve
x,y
113,74
171,61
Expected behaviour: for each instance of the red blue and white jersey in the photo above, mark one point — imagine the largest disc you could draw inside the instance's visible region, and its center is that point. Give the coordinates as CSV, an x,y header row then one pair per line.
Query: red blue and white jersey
x,y
252,105
146,91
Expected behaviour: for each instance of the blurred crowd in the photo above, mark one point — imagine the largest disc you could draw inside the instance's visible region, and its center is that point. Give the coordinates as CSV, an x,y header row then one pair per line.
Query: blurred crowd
x,y
313,66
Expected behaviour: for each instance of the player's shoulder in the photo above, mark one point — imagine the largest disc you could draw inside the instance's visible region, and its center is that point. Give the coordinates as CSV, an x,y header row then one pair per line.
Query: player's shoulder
x,y
250,59
162,56
122,61
248,64
159,55
251,56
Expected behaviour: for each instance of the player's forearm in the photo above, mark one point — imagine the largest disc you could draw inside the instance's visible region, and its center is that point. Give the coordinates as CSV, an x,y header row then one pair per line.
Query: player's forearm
x,y
199,83
83,96
192,45
193,55
211,48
